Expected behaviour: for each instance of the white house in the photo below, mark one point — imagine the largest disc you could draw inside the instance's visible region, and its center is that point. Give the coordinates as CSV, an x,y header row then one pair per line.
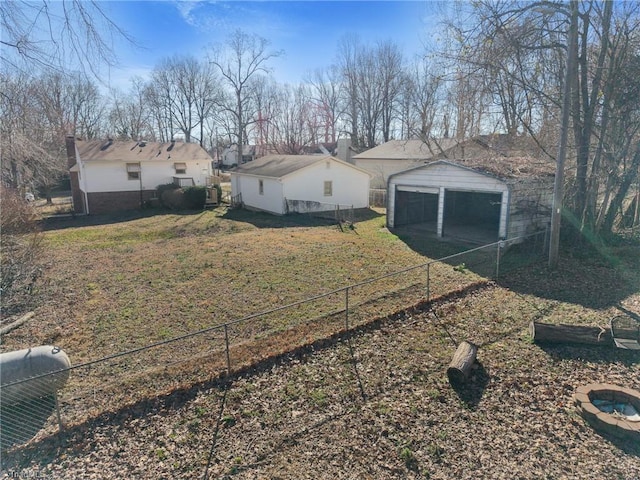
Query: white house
x,y
282,184
487,198
230,155
109,175
398,155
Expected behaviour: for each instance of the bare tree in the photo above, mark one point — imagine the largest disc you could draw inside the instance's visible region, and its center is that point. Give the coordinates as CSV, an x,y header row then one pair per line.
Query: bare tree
x,y
130,114
372,79
422,89
158,96
24,135
391,77
238,62
46,35
325,93
348,54
294,124
187,86
522,47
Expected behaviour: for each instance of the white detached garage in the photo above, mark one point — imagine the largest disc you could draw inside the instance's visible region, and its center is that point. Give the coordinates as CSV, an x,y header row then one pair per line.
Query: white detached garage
x,y
499,198
282,184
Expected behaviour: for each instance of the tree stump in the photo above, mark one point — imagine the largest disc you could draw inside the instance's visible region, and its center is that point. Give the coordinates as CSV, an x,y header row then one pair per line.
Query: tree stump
x,y
461,362
550,333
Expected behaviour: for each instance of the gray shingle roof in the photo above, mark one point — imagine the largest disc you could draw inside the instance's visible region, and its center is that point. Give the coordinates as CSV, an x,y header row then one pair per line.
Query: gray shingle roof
x,y
406,150
103,150
278,166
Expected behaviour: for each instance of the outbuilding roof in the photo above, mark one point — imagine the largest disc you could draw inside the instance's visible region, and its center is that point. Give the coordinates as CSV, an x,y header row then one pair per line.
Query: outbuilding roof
x,y
131,151
278,166
407,150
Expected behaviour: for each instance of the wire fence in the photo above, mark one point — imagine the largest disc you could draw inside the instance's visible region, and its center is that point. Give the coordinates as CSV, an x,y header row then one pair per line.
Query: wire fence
x,y
336,212
132,377
378,197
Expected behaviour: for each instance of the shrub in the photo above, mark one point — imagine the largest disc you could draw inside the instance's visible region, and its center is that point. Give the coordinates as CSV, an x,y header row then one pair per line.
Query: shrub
x,y
21,253
219,190
161,189
173,199
195,197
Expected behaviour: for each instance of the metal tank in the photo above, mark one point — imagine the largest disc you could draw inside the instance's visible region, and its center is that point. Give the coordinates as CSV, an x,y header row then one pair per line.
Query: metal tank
x,y
27,374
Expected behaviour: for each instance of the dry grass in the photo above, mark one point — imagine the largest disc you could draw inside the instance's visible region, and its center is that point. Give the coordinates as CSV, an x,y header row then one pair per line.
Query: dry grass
x,y
373,403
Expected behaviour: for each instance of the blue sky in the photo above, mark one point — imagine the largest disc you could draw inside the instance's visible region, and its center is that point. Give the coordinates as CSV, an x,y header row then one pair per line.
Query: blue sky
x,y
307,31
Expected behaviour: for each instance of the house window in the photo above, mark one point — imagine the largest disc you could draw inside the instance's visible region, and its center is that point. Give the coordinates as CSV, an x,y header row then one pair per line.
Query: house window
x,y
328,165
328,188
133,171
260,187
181,168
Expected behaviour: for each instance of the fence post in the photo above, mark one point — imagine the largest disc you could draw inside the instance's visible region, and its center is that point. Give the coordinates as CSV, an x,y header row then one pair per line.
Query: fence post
x,y
545,241
500,243
226,343
55,397
428,282
346,308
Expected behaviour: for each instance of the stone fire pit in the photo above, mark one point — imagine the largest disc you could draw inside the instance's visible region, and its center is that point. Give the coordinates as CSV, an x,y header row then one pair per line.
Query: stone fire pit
x,y
610,409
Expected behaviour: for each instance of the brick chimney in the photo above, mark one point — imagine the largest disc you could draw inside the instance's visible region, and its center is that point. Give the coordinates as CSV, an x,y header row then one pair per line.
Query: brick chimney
x,y
76,193
71,150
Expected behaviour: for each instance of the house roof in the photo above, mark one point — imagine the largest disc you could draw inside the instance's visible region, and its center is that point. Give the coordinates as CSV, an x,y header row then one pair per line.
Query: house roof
x,y
278,166
407,149
502,156
130,151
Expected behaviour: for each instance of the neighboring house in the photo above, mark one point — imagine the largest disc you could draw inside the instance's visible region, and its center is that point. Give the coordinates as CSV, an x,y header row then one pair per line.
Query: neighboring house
x,y
282,184
398,155
109,175
230,155
490,196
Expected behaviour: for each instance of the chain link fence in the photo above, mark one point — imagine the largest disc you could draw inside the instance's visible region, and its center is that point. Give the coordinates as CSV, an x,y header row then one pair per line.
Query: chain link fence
x,y
131,378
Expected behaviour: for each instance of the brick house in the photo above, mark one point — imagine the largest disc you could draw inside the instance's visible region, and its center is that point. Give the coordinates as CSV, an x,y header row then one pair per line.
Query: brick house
x,y
109,176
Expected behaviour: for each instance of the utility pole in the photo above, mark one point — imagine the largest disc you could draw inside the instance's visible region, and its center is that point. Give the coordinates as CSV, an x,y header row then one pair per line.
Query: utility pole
x,y
558,189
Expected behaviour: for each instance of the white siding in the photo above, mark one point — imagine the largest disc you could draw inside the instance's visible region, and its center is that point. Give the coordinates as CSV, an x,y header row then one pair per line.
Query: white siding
x,y
381,170
112,176
249,186
349,185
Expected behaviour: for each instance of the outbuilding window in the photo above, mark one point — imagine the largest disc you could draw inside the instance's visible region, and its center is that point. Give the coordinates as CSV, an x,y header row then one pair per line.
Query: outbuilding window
x,y
328,188
133,171
181,168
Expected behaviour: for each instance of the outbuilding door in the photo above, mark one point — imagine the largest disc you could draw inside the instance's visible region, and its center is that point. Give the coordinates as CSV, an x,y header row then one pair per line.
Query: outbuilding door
x,y
415,206
475,214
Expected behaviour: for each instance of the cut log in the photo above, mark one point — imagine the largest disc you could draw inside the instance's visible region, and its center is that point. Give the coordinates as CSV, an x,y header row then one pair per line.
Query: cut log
x,y
16,324
461,362
550,333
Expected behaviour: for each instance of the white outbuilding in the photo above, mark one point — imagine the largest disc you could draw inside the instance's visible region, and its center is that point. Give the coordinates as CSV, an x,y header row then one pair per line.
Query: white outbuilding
x,y
282,184
486,198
